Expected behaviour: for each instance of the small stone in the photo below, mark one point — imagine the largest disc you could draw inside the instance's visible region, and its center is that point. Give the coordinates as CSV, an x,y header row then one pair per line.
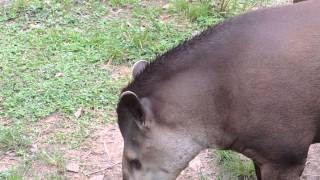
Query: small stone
x,y
195,164
167,6
195,33
73,167
79,113
34,148
59,74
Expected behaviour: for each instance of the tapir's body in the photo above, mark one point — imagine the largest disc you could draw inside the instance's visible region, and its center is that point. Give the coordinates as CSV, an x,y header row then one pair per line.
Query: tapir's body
x,y
251,84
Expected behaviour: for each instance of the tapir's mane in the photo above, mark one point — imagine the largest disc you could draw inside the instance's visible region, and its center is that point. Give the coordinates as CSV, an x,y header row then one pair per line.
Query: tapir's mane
x,y
168,61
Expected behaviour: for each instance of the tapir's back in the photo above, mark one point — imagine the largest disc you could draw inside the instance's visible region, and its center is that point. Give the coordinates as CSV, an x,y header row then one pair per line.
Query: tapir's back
x,y
274,78
262,69
278,50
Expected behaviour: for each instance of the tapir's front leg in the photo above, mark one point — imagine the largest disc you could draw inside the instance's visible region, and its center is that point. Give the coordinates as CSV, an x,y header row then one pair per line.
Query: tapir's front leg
x,y
280,172
257,169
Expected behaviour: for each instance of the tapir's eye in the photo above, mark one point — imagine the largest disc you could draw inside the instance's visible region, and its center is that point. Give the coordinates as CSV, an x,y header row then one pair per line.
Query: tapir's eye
x,y
135,164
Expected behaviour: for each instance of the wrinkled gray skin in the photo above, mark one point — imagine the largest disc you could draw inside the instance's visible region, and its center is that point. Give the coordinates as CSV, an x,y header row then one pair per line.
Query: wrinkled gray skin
x,y
251,85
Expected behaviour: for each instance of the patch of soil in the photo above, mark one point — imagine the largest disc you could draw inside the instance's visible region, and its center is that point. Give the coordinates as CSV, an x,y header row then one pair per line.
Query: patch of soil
x,y
44,127
117,72
5,122
199,168
51,124
102,156
159,3
8,160
4,2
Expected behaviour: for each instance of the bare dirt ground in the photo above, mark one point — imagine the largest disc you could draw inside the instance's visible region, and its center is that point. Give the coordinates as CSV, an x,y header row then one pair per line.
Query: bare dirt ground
x,y
100,159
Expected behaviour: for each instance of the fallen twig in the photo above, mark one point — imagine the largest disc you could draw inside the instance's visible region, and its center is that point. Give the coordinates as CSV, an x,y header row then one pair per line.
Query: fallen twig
x,y
100,170
106,150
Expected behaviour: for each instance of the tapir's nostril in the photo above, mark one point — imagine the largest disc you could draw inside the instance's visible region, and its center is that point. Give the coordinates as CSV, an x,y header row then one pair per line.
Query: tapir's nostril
x,y
135,164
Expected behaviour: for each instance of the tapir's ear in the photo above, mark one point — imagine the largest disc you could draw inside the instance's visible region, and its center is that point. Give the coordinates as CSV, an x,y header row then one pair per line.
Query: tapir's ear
x,y
138,67
130,110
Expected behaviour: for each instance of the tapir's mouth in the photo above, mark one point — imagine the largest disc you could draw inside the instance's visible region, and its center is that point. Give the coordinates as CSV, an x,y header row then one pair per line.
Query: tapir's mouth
x,y
164,170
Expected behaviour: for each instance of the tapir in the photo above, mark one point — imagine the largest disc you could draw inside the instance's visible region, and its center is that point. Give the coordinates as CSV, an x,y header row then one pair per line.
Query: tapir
x,y
250,84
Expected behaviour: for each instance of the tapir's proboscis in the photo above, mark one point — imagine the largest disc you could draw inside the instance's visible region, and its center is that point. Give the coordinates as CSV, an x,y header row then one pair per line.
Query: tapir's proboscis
x,y
250,84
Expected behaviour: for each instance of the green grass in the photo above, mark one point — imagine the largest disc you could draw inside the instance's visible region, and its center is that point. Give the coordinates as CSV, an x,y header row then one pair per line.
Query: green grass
x,y
13,138
11,174
214,11
41,39
54,158
48,163
119,3
232,166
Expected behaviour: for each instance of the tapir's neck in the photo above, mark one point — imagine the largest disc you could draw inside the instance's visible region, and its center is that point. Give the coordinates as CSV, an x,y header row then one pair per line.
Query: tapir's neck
x,y
184,84
185,56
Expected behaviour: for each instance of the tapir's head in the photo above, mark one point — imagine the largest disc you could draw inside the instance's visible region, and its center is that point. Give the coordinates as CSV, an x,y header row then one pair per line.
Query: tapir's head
x,y
152,150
